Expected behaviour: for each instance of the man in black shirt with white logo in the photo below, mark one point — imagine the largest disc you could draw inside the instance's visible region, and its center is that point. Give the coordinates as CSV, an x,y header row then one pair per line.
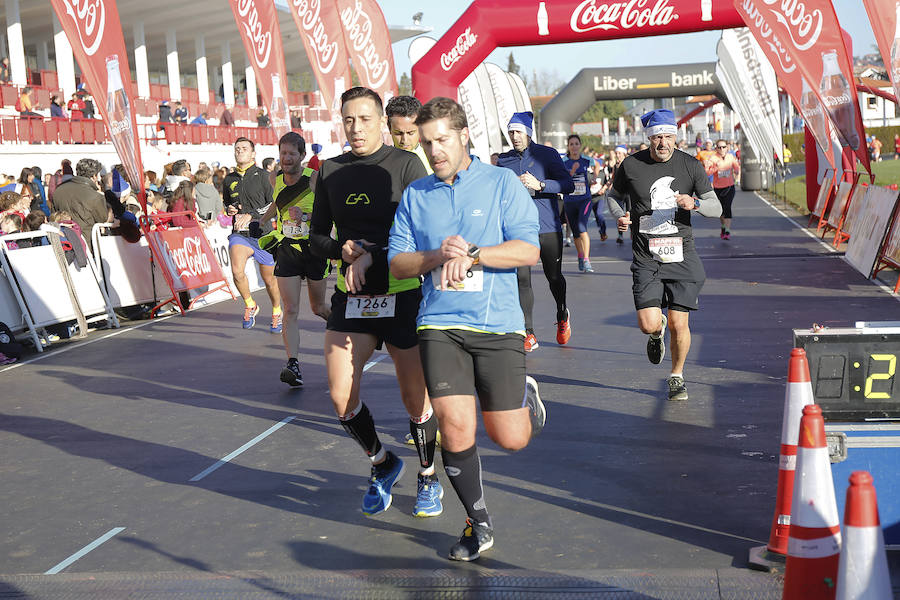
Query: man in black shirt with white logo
x,y
664,186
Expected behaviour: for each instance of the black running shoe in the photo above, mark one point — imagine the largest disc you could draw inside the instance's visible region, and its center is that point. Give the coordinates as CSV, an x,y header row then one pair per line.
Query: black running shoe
x,y
656,347
536,410
677,389
475,539
290,374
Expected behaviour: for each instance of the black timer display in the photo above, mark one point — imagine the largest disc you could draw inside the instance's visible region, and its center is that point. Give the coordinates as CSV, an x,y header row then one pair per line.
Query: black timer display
x,y
854,372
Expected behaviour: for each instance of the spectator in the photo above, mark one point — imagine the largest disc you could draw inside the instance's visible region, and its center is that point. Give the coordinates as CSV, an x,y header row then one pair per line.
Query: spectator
x,y
200,119
11,223
227,119
10,203
4,70
76,107
152,184
314,161
25,105
268,164
56,109
295,119
181,113
88,101
183,199
209,200
34,220
37,187
63,174
81,197
181,171
165,113
262,119
219,178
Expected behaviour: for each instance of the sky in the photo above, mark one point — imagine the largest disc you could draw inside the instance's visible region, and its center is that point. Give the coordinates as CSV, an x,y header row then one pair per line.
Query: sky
x,y
568,59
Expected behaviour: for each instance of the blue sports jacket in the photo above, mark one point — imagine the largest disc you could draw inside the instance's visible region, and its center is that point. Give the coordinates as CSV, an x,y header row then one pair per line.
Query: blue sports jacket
x,y
547,166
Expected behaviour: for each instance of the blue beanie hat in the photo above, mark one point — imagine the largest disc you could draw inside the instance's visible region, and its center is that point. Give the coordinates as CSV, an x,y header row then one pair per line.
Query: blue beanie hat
x,y
316,148
659,121
120,187
522,121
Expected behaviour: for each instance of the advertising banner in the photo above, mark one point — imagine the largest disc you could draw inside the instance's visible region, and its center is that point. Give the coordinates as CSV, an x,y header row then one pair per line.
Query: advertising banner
x,y
257,23
488,24
868,228
504,97
369,45
319,24
883,17
469,97
95,34
759,86
805,43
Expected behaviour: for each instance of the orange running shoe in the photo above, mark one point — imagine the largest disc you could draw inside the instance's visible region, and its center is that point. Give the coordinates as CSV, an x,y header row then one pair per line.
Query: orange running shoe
x,y
531,342
563,330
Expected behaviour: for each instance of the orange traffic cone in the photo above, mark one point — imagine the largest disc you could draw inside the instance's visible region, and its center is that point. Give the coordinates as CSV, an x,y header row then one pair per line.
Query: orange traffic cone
x,y
863,570
797,394
814,543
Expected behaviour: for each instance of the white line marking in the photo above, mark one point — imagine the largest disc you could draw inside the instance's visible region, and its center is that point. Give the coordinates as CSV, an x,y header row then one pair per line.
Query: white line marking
x,y
374,361
246,446
106,536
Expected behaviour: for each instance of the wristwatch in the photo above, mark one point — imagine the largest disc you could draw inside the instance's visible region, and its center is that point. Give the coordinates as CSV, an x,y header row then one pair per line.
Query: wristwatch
x,y
473,253
543,185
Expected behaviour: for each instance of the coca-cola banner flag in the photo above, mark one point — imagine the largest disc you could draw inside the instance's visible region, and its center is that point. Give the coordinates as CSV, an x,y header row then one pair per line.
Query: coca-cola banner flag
x,y
257,23
804,42
320,29
883,16
487,24
95,34
369,44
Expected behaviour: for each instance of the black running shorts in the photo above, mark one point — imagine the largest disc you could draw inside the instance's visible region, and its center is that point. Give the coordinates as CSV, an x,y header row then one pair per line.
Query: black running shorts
x,y
650,291
726,197
290,262
459,363
398,331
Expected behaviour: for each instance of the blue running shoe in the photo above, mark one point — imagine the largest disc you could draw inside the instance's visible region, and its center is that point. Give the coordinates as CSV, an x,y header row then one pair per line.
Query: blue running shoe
x,y
276,323
250,316
428,497
384,476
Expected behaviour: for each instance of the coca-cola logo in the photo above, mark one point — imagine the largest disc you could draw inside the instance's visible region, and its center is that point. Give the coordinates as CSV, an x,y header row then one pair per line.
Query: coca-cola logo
x,y
464,43
89,17
621,15
803,27
359,29
755,19
117,127
190,260
832,101
326,51
260,41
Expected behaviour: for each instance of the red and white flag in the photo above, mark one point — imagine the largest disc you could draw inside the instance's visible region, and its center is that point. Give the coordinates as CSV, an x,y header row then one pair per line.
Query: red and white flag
x,y
803,42
883,17
369,44
257,23
95,34
322,33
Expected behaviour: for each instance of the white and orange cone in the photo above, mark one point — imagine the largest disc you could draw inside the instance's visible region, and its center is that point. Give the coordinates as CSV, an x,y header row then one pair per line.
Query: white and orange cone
x,y
797,394
814,542
863,570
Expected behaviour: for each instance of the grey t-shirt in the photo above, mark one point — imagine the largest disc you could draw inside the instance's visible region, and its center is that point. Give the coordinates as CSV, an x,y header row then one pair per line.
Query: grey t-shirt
x,y
209,200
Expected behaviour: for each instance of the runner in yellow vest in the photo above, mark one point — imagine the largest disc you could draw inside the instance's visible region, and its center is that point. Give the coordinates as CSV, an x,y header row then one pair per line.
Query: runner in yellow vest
x,y
289,243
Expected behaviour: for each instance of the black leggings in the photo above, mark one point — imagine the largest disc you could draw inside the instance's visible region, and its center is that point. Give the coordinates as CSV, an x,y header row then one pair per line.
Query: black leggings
x,y
551,260
726,197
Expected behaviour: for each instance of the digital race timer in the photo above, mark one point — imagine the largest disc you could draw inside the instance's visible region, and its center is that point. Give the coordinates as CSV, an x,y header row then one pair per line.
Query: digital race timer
x,y
854,370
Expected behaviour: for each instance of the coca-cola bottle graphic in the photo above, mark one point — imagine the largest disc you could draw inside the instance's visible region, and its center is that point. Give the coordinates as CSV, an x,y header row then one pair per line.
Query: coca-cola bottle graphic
x,y
543,20
118,111
895,55
838,102
814,116
278,113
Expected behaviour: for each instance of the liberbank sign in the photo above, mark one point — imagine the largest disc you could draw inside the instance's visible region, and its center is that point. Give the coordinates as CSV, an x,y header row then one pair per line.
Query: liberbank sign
x,y
655,82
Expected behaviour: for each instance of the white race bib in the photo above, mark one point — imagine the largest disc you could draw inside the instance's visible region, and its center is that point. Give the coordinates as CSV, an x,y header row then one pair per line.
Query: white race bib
x,y
370,307
474,281
296,228
667,249
580,188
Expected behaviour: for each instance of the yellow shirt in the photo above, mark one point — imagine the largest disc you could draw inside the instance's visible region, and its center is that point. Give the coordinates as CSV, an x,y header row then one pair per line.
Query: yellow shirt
x,y
421,154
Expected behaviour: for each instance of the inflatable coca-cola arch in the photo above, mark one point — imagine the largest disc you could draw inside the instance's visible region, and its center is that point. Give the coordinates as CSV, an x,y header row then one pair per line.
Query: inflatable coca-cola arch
x,y
624,83
489,24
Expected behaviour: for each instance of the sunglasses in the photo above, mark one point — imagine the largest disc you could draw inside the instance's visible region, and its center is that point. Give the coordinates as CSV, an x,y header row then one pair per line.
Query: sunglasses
x,y
720,147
